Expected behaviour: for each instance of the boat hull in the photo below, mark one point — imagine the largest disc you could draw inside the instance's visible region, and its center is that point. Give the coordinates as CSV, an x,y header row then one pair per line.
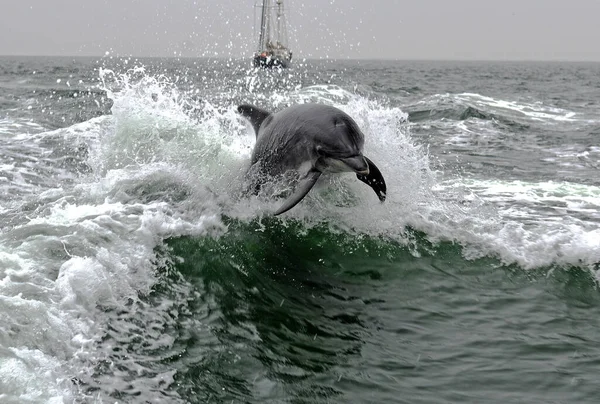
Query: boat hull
x,y
270,62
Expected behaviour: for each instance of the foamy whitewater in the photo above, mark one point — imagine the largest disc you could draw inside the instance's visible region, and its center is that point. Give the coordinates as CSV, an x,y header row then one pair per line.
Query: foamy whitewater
x,y
126,237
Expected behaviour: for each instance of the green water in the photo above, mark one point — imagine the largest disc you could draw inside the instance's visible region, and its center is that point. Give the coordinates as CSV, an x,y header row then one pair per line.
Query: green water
x,y
311,316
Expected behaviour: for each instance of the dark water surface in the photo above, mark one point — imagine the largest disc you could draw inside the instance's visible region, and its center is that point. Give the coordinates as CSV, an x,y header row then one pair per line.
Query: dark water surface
x,y
132,271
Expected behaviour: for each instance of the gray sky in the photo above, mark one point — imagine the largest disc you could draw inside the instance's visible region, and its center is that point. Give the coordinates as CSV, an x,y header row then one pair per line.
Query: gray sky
x,y
357,29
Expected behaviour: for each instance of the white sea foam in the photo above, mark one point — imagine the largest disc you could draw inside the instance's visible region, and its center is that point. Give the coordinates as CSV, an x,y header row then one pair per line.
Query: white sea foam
x,y
12,126
71,259
520,110
79,250
535,224
575,157
536,110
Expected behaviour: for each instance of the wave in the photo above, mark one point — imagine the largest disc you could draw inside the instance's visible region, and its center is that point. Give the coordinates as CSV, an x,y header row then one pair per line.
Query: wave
x,y
16,126
305,312
460,113
214,152
154,126
465,106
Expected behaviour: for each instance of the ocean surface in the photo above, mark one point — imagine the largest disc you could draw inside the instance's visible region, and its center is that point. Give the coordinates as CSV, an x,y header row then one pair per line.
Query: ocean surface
x,y
134,270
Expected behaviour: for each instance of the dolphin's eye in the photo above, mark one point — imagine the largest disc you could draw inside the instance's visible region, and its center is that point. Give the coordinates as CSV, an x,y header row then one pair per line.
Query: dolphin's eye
x,y
332,153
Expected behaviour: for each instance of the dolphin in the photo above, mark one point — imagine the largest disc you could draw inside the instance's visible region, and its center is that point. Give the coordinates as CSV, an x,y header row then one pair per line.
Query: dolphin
x,y
311,139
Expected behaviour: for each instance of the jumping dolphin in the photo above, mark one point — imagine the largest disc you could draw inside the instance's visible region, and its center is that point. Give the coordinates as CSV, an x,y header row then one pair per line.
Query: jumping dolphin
x,y
312,139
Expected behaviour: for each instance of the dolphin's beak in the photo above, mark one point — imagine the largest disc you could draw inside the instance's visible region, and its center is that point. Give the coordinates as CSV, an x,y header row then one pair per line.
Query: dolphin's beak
x,y
358,164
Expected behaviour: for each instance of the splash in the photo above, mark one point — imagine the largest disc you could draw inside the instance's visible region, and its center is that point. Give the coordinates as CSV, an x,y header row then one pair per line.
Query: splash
x,y
209,146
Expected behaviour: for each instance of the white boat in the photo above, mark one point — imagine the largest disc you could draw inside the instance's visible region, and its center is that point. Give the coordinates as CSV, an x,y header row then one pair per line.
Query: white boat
x,y
272,48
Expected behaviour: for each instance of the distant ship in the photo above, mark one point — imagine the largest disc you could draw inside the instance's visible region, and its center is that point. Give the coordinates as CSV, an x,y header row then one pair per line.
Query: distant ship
x,y
273,48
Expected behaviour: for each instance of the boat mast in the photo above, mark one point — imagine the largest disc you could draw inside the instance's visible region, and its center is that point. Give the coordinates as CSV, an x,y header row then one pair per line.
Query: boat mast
x,y
265,25
281,34
279,17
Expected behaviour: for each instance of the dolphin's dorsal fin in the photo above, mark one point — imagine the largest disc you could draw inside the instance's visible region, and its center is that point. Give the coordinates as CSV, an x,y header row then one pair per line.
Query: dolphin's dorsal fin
x,y
254,114
304,185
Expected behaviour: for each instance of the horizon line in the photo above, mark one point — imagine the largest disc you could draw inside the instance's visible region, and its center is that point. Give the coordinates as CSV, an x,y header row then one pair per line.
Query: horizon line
x,y
311,59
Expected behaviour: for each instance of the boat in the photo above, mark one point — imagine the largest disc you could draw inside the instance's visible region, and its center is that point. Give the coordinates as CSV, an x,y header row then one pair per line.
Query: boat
x,y
272,48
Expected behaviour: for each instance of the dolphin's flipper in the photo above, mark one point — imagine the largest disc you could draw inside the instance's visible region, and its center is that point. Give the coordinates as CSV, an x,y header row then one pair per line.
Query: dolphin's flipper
x,y
255,115
304,185
375,180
